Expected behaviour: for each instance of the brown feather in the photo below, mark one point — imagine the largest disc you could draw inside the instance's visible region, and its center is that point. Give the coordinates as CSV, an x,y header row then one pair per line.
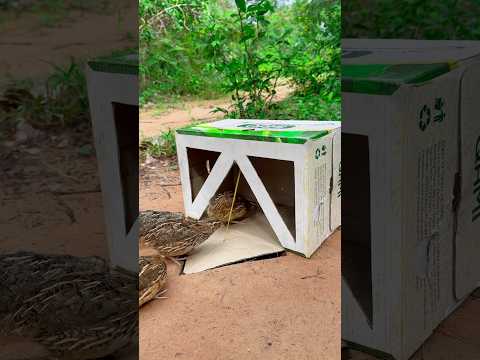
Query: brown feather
x,y
152,277
77,307
173,234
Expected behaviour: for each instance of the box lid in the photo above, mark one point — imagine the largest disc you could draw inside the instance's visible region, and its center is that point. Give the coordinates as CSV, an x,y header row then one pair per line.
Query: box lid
x,y
382,66
120,63
285,131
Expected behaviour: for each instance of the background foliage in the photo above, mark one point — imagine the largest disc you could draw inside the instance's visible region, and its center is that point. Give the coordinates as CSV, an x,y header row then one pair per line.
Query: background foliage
x,y
412,19
243,49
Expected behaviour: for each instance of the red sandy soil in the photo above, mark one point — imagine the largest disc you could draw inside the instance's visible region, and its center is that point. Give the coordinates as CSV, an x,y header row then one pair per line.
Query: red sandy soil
x,y
28,49
283,308
50,199
62,210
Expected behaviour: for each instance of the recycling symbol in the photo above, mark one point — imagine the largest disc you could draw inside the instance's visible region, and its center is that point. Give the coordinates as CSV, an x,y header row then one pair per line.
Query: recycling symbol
x,y
425,117
320,152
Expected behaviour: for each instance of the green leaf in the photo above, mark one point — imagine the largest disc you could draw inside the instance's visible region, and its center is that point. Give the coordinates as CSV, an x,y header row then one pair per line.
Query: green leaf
x,y
241,5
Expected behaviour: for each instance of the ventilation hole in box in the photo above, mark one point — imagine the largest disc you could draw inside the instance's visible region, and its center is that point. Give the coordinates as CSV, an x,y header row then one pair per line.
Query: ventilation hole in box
x,y
356,233
278,177
200,164
126,127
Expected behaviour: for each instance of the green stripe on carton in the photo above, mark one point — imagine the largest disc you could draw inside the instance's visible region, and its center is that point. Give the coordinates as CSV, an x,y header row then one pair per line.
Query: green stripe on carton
x,y
290,137
384,79
117,64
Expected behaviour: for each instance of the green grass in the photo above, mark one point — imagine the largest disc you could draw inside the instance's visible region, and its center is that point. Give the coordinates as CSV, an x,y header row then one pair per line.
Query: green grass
x,y
62,103
308,107
159,146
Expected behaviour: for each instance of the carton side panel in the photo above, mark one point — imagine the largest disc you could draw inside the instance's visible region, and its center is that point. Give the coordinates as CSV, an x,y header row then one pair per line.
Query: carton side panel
x,y
317,186
336,202
366,120
467,272
430,155
103,90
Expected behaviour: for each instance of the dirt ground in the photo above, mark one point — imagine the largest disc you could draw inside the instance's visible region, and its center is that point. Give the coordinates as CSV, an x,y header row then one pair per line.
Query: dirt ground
x,y
47,187
29,48
50,197
153,122
252,310
283,308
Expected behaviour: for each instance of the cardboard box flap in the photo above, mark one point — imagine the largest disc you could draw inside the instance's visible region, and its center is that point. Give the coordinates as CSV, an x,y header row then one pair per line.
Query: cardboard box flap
x,y
122,63
467,242
252,238
286,131
385,79
383,51
381,66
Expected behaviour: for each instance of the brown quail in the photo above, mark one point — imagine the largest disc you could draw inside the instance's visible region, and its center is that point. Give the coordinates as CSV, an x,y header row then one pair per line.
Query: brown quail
x,y
152,278
173,234
76,307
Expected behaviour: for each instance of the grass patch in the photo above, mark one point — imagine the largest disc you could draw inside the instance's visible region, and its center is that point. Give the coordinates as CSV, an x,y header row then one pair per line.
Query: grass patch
x,y
295,107
62,103
159,146
308,107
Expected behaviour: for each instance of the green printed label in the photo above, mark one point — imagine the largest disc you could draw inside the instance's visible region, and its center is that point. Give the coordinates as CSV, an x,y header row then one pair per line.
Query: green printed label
x,y
284,131
426,117
319,152
266,126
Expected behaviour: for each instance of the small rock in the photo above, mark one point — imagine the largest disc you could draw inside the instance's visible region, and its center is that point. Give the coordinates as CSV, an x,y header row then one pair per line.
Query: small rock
x,y
63,143
26,132
33,151
9,144
149,160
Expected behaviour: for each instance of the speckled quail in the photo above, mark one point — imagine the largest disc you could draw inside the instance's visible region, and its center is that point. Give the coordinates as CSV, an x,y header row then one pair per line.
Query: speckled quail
x,y
151,278
76,307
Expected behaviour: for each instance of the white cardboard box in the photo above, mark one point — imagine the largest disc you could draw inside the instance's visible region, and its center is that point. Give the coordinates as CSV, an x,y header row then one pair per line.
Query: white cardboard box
x,y
113,97
411,128
290,168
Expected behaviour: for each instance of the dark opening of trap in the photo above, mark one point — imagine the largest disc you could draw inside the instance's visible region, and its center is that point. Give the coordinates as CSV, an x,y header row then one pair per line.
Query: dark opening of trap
x,y
254,182
127,130
278,177
356,222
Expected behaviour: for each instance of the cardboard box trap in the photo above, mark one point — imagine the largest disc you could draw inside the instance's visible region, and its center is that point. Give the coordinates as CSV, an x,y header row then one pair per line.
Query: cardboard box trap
x,y
410,189
113,96
289,168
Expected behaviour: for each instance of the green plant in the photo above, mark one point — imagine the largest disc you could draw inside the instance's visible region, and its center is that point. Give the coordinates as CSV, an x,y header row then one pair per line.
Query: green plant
x,y
252,72
315,48
412,19
306,107
159,146
243,49
62,103
174,49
